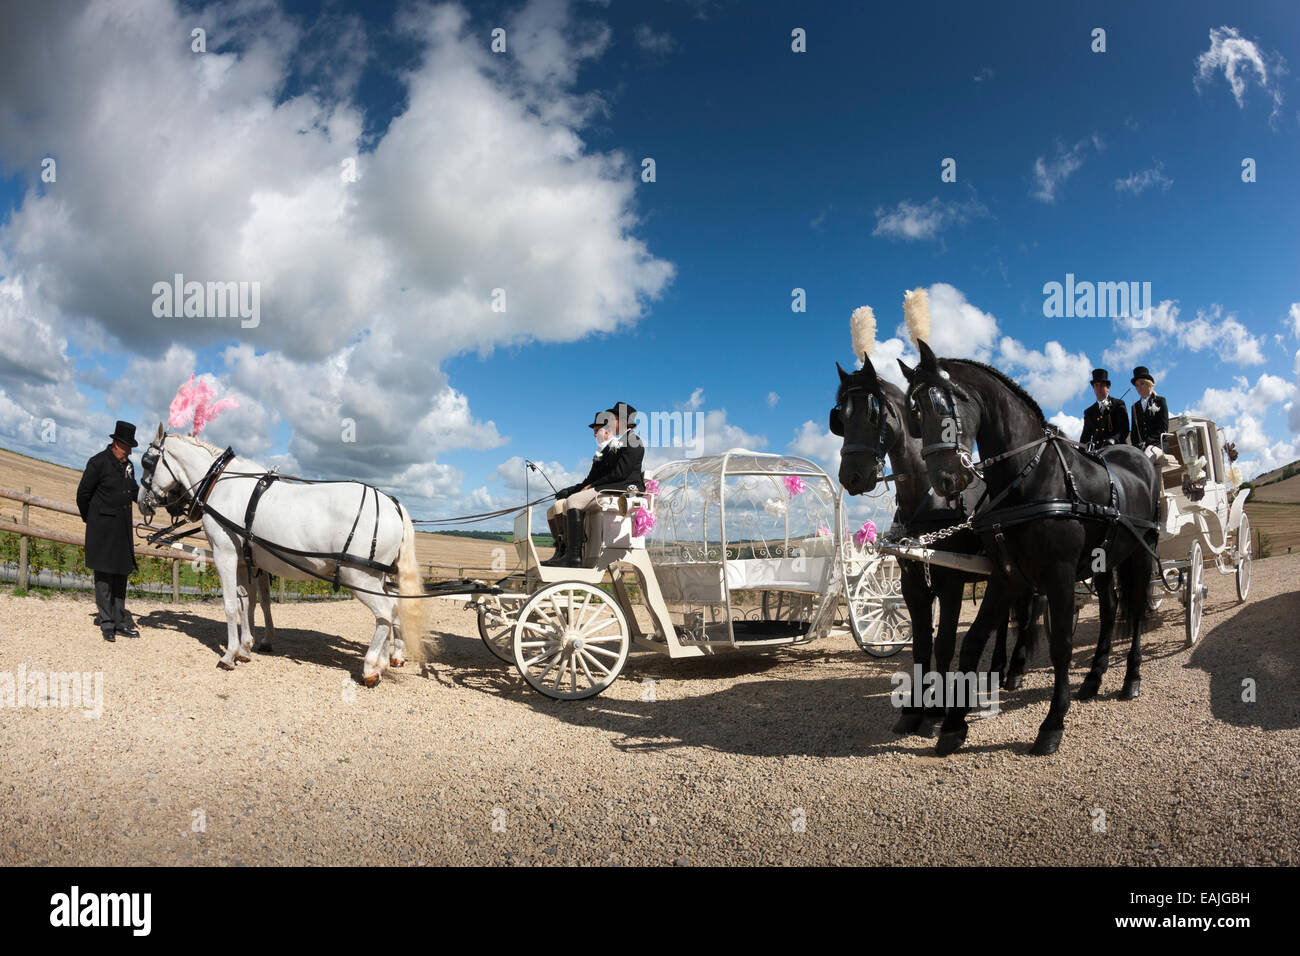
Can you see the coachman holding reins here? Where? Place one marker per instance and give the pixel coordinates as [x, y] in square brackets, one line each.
[104, 498]
[1105, 422]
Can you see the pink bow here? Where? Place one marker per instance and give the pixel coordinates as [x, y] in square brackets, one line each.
[642, 522]
[866, 533]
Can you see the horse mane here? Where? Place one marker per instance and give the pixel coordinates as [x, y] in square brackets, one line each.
[1015, 387]
[195, 440]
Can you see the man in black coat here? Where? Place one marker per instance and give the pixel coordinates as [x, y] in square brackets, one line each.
[615, 467]
[1105, 422]
[1150, 411]
[104, 498]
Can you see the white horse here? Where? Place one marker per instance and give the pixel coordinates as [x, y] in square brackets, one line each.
[314, 518]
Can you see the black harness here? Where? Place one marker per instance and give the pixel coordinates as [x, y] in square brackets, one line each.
[994, 521]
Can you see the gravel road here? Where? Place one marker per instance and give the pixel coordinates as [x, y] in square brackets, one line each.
[776, 759]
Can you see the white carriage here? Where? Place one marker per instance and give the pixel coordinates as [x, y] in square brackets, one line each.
[743, 556]
[1202, 517]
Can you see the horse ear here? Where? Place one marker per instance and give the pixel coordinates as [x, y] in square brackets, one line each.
[907, 372]
[869, 371]
[160, 433]
[844, 376]
[928, 361]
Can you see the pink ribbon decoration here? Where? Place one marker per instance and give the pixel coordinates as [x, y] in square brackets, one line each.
[866, 533]
[194, 399]
[823, 531]
[794, 484]
[642, 522]
[651, 487]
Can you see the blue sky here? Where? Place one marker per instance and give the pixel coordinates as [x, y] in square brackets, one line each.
[775, 170]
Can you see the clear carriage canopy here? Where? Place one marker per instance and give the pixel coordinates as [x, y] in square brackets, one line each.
[745, 546]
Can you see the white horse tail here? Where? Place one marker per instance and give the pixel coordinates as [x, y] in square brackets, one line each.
[411, 612]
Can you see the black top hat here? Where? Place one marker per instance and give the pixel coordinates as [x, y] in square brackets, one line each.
[603, 419]
[125, 433]
[1100, 377]
[625, 412]
[1142, 372]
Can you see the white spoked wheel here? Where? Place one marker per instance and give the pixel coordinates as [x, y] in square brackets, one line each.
[1155, 595]
[1243, 558]
[877, 614]
[1195, 596]
[571, 640]
[496, 628]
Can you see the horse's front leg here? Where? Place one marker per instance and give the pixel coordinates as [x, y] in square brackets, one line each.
[917, 598]
[950, 592]
[246, 613]
[262, 583]
[992, 610]
[227, 565]
[1060, 597]
[396, 646]
[1104, 583]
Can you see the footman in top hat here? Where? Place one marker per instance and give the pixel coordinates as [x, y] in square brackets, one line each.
[1150, 411]
[1106, 421]
[616, 466]
[104, 498]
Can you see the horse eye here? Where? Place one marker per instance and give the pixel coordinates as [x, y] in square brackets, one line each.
[848, 407]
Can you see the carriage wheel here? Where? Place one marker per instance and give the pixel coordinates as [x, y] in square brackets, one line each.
[1243, 558]
[1194, 596]
[496, 628]
[571, 640]
[877, 614]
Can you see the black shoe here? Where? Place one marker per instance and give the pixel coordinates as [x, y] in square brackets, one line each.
[129, 630]
[109, 636]
[558, 557]
[577, 534]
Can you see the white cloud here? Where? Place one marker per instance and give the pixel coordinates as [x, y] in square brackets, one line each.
[482, 182]
[924, 221]
[772, 399]
[1053, 376]
[652, 42]
[1221, 404]
[1294, 316]
[1050, 174]
[1159, 326]
[1243, 64]
[957, 328]
[811, 441]
[1069, 424]
[1137, 183]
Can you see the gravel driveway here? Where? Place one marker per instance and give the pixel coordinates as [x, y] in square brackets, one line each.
[781, 758]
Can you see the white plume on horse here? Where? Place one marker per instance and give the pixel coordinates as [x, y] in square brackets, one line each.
[862, 323]
[916, 313]
[308, 524]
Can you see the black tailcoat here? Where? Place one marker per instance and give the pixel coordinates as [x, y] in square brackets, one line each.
[104, 499]
[614, 469]
[1105, 428]
[1148, 426]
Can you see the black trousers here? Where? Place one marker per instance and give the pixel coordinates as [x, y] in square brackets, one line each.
[110, 600]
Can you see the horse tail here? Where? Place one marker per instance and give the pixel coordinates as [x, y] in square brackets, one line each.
[412, 614]
[1134, 580]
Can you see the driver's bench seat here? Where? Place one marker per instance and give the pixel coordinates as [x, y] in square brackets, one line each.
[609, 525]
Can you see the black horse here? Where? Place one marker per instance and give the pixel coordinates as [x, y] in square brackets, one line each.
[869, 414]
[1056, 514]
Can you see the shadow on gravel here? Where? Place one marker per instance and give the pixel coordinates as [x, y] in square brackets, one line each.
[1261, 642]
[295, 644]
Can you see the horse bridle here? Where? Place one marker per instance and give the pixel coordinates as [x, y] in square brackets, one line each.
[878, 409]
[944, 403]
[197, 492]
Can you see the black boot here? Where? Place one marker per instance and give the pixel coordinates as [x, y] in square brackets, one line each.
[559, 538]
[577, 533]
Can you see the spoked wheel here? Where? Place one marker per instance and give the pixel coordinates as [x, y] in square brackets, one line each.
[571, 640]
[1243, 558]
[1194, 596]
[496, 628]
[877, 615]
[1155, 596]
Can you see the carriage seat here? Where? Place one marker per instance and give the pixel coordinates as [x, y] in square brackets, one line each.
[609, 523]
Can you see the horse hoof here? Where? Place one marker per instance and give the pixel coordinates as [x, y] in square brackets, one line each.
[242, 658]
[1089, 688]
[1131, 690]
[1046, 744]
[370, 681]
[396, 662]
[950, 741]
[222, 665]
[1013, 681]
[908, 723]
